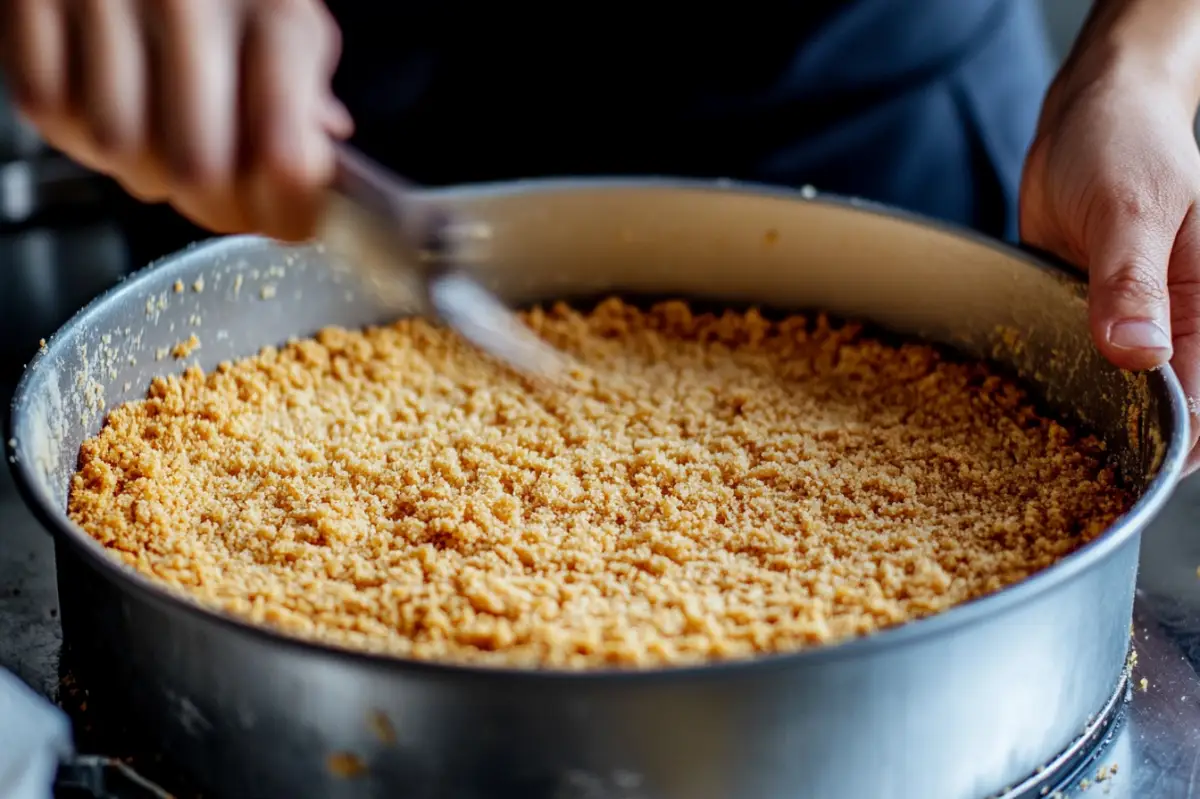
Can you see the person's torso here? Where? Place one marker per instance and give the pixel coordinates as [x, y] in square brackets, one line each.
[452, 92]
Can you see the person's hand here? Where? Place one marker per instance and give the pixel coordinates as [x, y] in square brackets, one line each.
[1112, 183]
[221, 107]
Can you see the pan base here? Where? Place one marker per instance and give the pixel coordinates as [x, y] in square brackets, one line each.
[1082, 763]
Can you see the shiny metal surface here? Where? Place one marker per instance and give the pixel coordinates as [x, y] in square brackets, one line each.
[962, 705]
[415, 256]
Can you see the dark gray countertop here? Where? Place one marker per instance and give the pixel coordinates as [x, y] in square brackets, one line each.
[29, 632]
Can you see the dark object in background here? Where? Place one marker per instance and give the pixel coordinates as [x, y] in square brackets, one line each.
[59, 248]
[66, 235]
[152, 231]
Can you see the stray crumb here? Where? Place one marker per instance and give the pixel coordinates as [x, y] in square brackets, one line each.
[161, 352]
[1144, 684]
[178, 287]
[185, 348]
[383, 729]
[237, 285]
[42, 344]
[267, 292]
[1084, 784]
[346, 765]
[198, 285]
[714, 486]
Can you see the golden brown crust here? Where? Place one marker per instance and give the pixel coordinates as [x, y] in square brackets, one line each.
[713, 487]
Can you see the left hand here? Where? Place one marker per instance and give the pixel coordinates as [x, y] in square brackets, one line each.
[1112, 183]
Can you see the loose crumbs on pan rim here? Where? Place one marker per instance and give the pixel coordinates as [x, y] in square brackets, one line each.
[711, 486]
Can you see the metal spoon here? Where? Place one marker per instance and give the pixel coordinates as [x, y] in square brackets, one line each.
[416, 253]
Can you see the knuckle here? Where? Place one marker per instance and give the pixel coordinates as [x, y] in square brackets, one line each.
[1155, 204]
[1137, 280]
[1126, 204]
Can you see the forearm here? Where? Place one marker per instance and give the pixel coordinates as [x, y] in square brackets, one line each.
[1154, 40]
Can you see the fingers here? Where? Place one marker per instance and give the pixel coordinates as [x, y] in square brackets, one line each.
[196, 48]
[113, 76]
[288, 114]
[1129, 250]
[116, 99]
[222, 107]
[1184, 277]
[36, 56]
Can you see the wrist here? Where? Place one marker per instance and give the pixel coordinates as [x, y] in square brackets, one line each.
[1142, 44]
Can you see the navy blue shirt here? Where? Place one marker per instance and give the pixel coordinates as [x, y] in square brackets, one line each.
[926, 104]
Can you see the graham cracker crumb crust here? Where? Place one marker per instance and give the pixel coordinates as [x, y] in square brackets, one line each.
[714, 486]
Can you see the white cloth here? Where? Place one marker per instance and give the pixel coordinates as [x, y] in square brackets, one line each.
[35, 736]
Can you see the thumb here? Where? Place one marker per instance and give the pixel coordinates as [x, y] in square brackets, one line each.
[1130, 309]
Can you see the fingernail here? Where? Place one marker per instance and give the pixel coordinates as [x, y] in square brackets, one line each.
[1138, 334]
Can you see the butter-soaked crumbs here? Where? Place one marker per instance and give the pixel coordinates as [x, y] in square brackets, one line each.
[710, 487]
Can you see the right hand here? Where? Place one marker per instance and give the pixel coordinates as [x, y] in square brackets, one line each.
[221, 107]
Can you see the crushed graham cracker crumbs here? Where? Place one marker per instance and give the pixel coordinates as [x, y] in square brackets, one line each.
[186, 347]
[346, 765]
[713, 487]
[381, 725]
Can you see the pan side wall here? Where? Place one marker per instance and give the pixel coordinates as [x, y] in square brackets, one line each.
[958, 711]
[959, 715]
